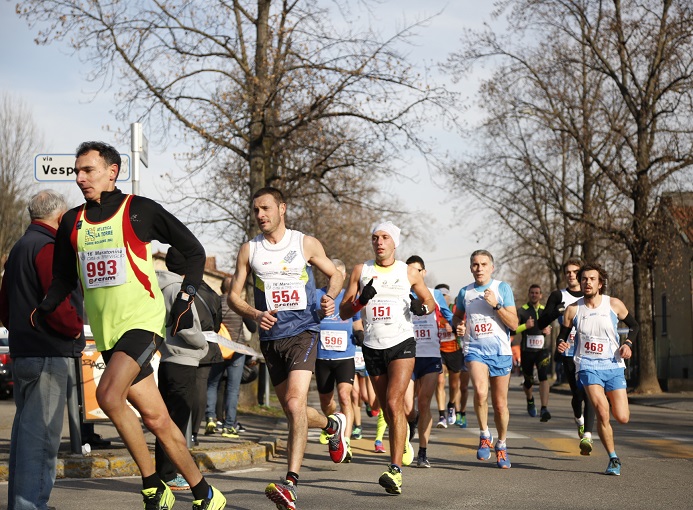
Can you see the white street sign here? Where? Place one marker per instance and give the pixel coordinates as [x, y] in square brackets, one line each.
[61, 168]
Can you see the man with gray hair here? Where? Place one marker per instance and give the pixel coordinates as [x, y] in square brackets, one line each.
[484, 317]
[41, 358]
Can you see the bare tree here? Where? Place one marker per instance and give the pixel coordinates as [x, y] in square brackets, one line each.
[267, 92]
[640, 53]
[20, 140]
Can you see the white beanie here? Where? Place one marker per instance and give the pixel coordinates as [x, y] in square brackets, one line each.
[391, 229]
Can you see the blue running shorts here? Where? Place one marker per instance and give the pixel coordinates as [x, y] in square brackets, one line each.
[498, 365]
[611, 379]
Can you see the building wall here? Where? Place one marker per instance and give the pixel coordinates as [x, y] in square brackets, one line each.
[674, 347]
[213, 278]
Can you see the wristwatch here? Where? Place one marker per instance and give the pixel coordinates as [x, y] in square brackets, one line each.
[188, 293]
[497, 307]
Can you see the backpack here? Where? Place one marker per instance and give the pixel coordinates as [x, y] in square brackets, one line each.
[210, 311]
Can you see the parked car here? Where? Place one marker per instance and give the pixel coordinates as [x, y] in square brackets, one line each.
[6, 384]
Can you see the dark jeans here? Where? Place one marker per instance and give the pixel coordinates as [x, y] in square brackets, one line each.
[177, 388]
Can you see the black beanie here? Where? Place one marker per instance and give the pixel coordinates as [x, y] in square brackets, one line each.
[175, 261]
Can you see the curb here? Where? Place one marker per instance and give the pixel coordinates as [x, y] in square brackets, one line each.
[107, 465]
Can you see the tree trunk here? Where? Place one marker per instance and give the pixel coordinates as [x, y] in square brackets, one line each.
[258, 102]
[648, 382]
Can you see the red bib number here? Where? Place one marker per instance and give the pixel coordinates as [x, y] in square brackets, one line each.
[332, 340]
[290, 295]
[103, 268]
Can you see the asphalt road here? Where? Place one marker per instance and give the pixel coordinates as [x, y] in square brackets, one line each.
[656, 448]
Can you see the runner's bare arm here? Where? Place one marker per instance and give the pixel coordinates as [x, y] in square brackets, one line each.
[346, 309]
[265, 319]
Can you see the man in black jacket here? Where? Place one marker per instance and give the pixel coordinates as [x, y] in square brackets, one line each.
[41, 359]
[105, 245]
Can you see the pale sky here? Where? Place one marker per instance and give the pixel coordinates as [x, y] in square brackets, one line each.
[49, 79]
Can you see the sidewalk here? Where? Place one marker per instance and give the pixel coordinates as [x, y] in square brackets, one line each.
[215, 453]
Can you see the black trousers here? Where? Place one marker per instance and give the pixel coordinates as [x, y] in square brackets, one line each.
[177, 388]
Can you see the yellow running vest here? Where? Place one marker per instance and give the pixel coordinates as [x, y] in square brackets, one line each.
[115, 269]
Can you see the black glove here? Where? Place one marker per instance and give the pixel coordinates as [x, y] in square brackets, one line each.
[417, 307]
[358, 337]
[561, 308]
[367, 293]
[181, 315]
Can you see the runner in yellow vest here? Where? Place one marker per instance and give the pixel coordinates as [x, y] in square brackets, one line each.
[104, 245]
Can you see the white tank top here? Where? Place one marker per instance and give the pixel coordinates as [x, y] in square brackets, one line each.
[284, 282]
[486, 333]
[596, 338]
[426, 334]
[387, 317]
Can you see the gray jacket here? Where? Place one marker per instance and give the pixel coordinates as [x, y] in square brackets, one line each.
[189, 346]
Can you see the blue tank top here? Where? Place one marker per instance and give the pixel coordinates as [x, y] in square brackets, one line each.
[336, 335]
[284, 281]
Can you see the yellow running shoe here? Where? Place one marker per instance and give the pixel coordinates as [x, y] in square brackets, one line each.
[324, 437]
[216, 502]
[158, 498]
[391, 480]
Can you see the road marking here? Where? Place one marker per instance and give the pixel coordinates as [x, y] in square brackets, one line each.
[476, 432]
[562, 447]
[566, 432]
[668, 448]
[664, 435]
[241, 471]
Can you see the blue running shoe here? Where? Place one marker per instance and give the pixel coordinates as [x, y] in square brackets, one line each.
[484, 451]
[502, 457]
[178, 484]
[356, 433]
[614, 467]
[461, 421]
[531, 408]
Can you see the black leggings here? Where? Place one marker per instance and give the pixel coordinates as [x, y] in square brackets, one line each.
[579, 395]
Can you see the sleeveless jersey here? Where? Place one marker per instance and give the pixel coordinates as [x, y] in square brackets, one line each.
[284, 281]
[596, 339]
[426, 334]
[568, 299]
[336, 335]
[387, 316]
[486, 333]
[115, 268]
